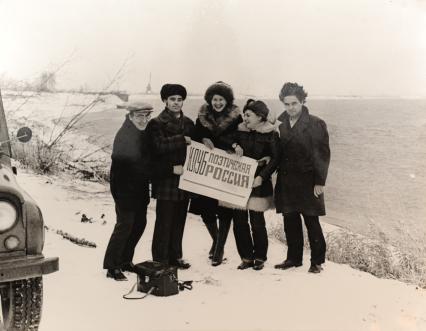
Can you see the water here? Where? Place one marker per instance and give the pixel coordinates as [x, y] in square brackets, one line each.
[377, 176]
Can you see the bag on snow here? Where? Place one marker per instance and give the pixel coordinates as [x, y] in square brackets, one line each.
[156, 278]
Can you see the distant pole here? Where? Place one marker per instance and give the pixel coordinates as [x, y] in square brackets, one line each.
[148, 87]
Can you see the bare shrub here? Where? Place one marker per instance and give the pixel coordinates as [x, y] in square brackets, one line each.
[46, 82]
[375, 257]
[39, 156]
[48, 155]
[359, 252]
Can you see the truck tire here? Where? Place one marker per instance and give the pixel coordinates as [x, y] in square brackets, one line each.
[22, 302]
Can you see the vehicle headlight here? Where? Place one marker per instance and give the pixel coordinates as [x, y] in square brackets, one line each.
[11, 242]
[8, 216]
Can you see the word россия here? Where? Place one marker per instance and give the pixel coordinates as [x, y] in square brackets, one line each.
[218, 167]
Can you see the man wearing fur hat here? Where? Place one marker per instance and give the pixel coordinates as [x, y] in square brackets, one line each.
[129, 182]
[169, 134]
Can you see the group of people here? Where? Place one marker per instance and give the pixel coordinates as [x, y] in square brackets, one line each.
[296, 146]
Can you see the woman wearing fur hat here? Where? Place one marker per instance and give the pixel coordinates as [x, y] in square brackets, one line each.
[257, 138]
[217, 118]
[302, 172]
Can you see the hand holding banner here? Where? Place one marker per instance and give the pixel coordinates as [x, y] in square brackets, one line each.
[217, 174]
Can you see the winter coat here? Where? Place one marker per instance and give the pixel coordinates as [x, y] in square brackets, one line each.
[304, 161]
[256, 144]
[130, 166]
[166, 135]
[216, 126]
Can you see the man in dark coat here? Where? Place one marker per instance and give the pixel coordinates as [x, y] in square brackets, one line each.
[129, 182]
[169, 134]
[302, 173]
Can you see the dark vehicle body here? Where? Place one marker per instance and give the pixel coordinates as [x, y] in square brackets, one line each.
[22, 263]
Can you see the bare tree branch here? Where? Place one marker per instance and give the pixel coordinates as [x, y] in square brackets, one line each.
[96, 150]
[78, 116]
[53, 72]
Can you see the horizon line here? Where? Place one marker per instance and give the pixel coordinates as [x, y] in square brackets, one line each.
[196, 94]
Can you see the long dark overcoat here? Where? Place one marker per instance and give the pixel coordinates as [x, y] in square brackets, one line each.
[130, 166]
[167, 134]
[304, 161]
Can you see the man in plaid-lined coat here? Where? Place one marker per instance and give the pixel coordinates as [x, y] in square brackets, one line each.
[169, 134]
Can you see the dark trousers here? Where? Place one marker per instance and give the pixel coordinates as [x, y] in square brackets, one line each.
[168, 231]
[131, 223]
[225, 218]
[209, 216]
[250, 244]
[294, 235]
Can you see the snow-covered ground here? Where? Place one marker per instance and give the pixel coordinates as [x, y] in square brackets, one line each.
[80, 297]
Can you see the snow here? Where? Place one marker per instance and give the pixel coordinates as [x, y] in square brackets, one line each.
[80, 297]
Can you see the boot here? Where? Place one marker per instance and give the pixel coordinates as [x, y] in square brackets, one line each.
[130, 267]
[116, 274]
[245, 264]
[287, 264]
[180, 264]
[224, 226]
[212, 228]
[258, 264]
[315, 268]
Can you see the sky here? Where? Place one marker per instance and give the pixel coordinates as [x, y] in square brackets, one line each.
[331, 47]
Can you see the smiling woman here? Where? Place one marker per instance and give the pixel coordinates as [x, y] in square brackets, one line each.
[217, 118]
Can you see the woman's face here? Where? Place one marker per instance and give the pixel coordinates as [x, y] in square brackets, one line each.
[218, 103]
[292, 105]
[251, 119]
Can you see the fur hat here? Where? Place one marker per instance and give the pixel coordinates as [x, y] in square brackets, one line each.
[258, 107]
[172, 89]
[136, 106]
[222, 89]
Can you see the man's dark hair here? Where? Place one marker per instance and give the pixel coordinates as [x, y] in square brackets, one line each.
[293, 89]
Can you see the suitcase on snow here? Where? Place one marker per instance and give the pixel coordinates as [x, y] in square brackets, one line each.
[156, 278]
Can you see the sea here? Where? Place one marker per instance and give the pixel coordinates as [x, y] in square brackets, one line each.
[376, 183]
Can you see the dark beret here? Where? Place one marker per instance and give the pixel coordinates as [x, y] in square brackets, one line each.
[258, 107]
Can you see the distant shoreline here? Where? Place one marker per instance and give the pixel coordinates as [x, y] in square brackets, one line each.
[312, 97]
[6, 92]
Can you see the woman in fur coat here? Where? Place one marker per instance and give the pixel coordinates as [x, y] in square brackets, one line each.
[257, 138]
[217, 119]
